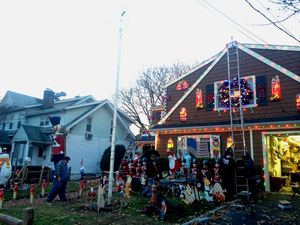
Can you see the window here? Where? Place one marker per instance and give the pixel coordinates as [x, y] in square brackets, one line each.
[11, 124]
[19, 124]
[89, 124]
[3, 125]
[44, 121]
[247, 93]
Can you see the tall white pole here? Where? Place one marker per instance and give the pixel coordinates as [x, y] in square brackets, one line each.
[113, 139]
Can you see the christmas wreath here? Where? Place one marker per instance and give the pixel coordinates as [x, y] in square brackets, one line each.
[246, 92]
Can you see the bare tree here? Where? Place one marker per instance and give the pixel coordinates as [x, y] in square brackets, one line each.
[138, 101]
[291, 7]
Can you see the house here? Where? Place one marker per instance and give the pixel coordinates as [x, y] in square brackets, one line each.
[199, 108]
[85, 129]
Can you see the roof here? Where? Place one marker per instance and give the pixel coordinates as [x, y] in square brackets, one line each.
[145, 139]
[16, 100]
[32, 134]
[247, 48]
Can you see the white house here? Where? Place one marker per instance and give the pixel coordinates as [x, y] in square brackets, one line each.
[86, 128]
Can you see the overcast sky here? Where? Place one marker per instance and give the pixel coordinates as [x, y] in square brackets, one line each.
[72, 46]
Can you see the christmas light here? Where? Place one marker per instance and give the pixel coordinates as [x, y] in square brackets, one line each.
[276, 89]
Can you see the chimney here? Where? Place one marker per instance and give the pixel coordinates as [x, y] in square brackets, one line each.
[48, 99]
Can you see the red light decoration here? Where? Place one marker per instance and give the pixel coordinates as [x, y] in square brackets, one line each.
[298, 102]
[199, 99]
[179, 86]
[276, 89]
[185, 85]
[183, 114]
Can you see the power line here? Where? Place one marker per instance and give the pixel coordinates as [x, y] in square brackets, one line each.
[290, 35]
[233, 21]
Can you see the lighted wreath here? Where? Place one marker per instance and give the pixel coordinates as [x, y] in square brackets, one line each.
[246, 92]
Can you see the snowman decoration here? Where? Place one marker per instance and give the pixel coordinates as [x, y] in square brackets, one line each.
[5, 168]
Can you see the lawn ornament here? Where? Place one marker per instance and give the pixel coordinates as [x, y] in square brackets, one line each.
[218, 194]
[44, 185]
[92, 193]
[32, 192]
[5, 168]
[207, 190]
[15, 190]
[1, 197]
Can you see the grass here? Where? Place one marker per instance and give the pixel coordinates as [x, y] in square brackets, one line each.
[78, 212]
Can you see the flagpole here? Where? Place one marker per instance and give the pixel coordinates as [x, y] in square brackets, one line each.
[113, 139]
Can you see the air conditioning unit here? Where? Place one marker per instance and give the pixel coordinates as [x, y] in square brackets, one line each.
[88, 136]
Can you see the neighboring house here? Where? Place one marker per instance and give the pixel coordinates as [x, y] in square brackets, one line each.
[197, 118]
[86, 129]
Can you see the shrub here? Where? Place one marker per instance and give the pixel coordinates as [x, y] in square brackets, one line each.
[119, 154]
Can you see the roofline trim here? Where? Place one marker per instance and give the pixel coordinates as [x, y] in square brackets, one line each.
[204, 63]
[193, 86]
[270, 63]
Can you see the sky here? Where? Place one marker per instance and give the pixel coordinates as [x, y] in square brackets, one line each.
[76, 47]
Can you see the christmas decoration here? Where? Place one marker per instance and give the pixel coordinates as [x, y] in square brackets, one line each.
[246, 93]
[32, 191]
[15, 190]
[170, 144]
[179, 86]
[1, 197]
[55, 121]
[199, 100]
[184, 84]
[183, 114]
[276, 89]
[298, 102]
[44, 185]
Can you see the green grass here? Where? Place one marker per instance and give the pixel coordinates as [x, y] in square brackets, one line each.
[78, 212]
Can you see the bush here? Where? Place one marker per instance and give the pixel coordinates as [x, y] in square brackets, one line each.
[119, 154]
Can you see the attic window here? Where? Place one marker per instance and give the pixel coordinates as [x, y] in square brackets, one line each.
[247, 93]
[89, 124]
[44, 121]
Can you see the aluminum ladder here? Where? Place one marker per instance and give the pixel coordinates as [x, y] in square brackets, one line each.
[237, 118]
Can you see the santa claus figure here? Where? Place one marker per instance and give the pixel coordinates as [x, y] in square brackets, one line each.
[174, 164]
[5, 168]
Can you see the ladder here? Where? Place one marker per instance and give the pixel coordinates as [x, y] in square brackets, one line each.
[128, 155]
[236, 117]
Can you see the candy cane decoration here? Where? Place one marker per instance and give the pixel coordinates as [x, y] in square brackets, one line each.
[32, 191]
[15, 190]
[81, 187]
[1, 197]
[44, 185]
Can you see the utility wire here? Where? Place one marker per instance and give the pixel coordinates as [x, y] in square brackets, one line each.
[277, 21]
[290, 35]
[233, 21]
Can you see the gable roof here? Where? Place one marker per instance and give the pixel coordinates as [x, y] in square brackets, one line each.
[14, 100]
[32, 134]
[97, 106]
[246, 49]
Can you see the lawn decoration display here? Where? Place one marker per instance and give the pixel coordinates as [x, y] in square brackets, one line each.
[276, 89]
[5, 168]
